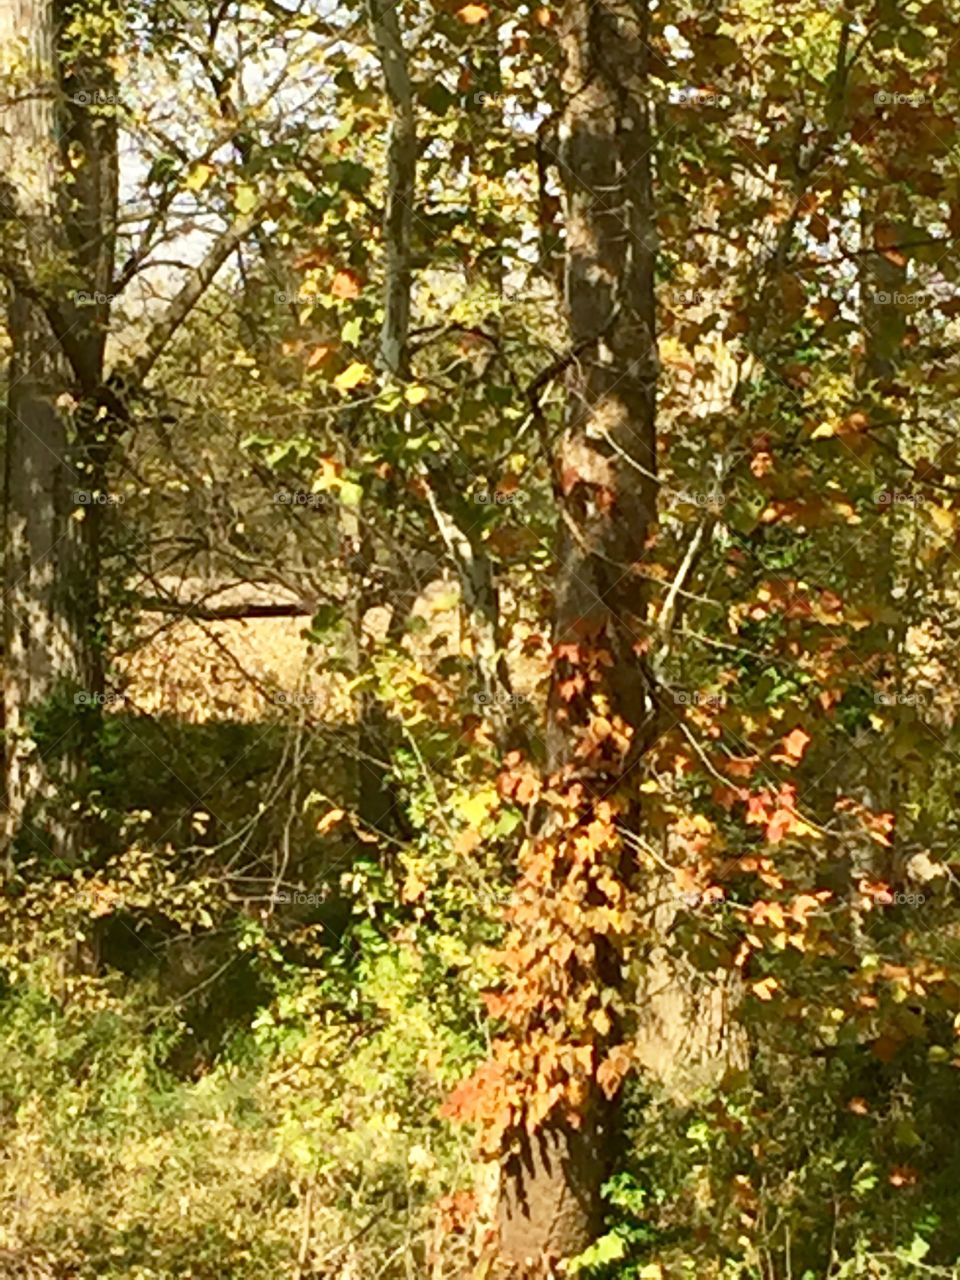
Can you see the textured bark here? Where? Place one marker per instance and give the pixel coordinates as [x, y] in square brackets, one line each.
[51, 557]
[401, 185]
[686, 1027]
[550, 1206]
[605, 480]
[376, 796]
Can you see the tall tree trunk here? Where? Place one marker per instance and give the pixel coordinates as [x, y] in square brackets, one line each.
[376, 796]
[601, 708]
[57, 227]
[882, 279]
[58, 204]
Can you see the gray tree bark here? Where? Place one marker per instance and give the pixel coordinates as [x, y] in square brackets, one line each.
[57, 226]
[64, 412]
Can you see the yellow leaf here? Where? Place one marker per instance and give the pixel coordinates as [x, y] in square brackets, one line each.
[352, 376]
[944, 519]
[471, 14]
[416, 395]
[245, 198]
[327, 476]
[765, 988]
[601, 1021]
[198, 177]
[476, 807]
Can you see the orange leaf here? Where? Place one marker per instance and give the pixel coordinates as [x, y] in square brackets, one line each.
[466, 841]
[330, 820]
[612, 1070]
[413, 887]
[767, 913]
[528, 789]
[346, 284]
[471, 14]
[318, 355]
[885, 1048]
[794, 745]
[739, 767]
[765, 988]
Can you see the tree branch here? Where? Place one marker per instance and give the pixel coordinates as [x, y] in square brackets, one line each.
[227, 612]
[183, 303]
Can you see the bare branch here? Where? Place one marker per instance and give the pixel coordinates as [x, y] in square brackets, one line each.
[190, 294]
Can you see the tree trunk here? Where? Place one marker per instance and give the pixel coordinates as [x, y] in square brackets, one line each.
[53, 230]
[376, 795]
[58, 205]
[606, 489]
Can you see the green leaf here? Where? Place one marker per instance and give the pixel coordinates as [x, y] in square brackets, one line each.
[326, 618]
[609, 1248]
